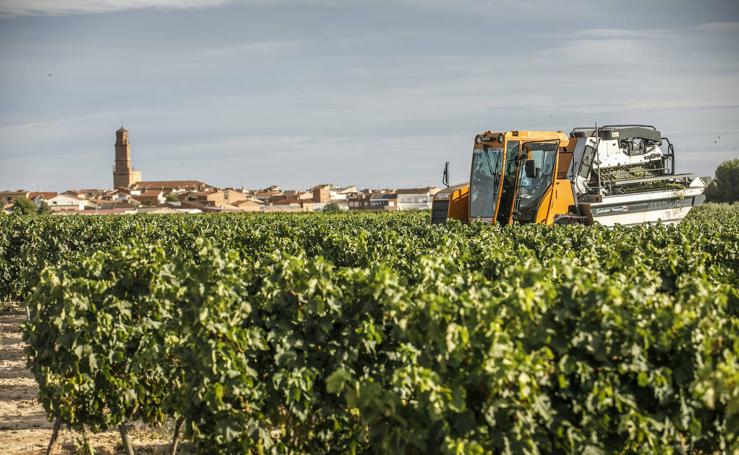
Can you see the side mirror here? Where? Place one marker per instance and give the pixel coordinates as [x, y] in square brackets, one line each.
[531, 170]
[445, 175]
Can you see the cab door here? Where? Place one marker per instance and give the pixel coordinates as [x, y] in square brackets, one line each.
[508, 183]
[535, 178]
[529, 173]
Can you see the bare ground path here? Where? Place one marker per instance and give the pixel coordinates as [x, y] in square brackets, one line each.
[24, 428]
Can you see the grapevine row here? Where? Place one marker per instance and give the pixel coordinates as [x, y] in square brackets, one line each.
[384, 334]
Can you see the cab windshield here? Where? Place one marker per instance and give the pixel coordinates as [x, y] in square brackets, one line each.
[484, 181]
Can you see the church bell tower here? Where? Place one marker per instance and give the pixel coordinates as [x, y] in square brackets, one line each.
[123, 174]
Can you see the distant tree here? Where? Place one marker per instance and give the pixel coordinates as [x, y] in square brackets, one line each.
[43, 208]
[171, 197]
[332, 207]
[725, 187]
[24, 206]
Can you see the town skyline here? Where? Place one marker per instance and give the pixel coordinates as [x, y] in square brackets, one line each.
[131, 193]
[253, 93]
[288, 185]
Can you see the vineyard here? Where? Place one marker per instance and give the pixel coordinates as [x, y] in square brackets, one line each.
[357, 333]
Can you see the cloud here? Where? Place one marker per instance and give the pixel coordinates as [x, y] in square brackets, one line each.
[617, 33]
[59, 8]
[720, 27]
[12, 8]
[255, 49]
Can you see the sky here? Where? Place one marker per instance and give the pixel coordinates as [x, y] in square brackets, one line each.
[370, 93]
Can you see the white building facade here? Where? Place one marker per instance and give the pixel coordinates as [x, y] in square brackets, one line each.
[416, 198]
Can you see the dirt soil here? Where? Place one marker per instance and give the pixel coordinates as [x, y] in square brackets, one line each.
[24, 428]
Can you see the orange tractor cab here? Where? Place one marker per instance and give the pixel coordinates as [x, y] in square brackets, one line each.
[613, 174]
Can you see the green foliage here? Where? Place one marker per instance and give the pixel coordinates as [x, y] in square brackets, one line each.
[43, 208]
[103, 317]
[725, 186]
[24, 206]
[382, 333]
[332, 207]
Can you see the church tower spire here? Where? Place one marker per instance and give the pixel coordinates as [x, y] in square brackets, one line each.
[123, 174]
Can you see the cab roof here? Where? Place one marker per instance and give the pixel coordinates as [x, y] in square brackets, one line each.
[490, 136]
